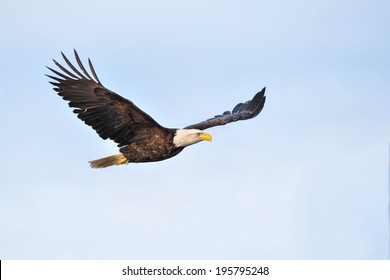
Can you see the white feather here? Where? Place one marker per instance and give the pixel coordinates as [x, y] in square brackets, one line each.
[186, 137]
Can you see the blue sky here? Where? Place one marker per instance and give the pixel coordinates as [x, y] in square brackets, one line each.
[306, 179]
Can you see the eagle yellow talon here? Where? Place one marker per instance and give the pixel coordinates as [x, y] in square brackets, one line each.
[121, 160]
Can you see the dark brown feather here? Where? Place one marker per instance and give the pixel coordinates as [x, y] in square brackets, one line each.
[151, 148]
[242, 111]
[108, 113]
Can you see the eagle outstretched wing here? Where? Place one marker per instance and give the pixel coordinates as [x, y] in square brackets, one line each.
[241, 111]
[108, 113]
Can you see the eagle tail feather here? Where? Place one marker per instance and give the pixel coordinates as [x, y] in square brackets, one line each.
[117, 159]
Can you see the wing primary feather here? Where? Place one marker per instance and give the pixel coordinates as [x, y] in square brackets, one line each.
[109, 114]
[56, 86]
[57, 73]
[236, 108]
[81, 65]
[65, 70]
[258, 97]
[71, 66]
[93, 71]
[258, 101]
[242, 111]
[244, 107]
[55, 78]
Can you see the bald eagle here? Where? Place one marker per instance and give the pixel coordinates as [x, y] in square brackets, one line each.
[139, 137]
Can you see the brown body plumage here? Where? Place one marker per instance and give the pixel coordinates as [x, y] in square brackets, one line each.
[139, 137]
[152, 148]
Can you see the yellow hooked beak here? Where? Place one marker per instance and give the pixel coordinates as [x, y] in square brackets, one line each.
[205, 136]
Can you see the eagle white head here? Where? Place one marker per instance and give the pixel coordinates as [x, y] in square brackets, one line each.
[187, 137]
